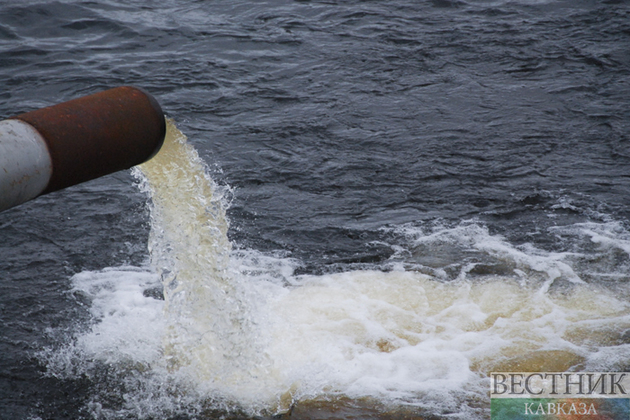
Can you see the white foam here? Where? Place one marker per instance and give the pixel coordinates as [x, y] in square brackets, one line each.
[130, 324]
[127, 326]
[239, 328]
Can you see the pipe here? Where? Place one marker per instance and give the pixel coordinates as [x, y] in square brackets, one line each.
[65, 144]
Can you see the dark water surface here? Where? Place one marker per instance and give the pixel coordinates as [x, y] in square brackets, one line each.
[354, 136]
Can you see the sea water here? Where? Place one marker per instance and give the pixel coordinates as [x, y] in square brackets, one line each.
[378, 203]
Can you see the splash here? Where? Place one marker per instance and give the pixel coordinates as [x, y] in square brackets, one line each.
[238, 330]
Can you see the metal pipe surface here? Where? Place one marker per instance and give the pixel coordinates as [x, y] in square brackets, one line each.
[62, 145]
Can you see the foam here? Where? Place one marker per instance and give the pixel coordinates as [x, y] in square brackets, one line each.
[238, 329]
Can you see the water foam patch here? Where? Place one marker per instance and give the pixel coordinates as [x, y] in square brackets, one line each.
[129, 323]
[403, 335]
[126, 328]
[238, 330]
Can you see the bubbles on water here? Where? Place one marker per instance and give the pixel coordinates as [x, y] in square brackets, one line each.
[238, 330]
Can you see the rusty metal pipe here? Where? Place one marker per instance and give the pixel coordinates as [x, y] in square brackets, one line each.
[62, 145]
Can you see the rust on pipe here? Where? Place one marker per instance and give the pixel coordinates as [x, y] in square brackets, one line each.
[98, 134]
